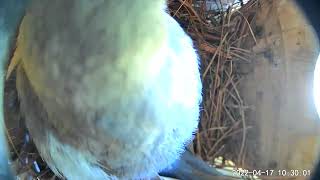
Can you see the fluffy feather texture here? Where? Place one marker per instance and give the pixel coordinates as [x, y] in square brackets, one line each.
[110, 89]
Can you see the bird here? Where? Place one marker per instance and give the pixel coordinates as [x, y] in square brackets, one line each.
[49, 90]
[109, 89]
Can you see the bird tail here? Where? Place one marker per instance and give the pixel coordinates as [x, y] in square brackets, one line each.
[189, 167]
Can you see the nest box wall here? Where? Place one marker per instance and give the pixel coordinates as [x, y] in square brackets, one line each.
[279, 87]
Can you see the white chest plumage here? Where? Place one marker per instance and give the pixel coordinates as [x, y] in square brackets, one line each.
[115, 107]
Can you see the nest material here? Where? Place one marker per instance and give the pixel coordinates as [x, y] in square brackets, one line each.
[219, 37]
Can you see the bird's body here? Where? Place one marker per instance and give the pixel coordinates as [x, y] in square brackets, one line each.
[109, 89]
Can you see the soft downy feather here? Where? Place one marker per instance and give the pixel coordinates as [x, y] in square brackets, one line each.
[102, 102]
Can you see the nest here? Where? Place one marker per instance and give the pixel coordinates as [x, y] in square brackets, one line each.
[218, 34]
[223, 37]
